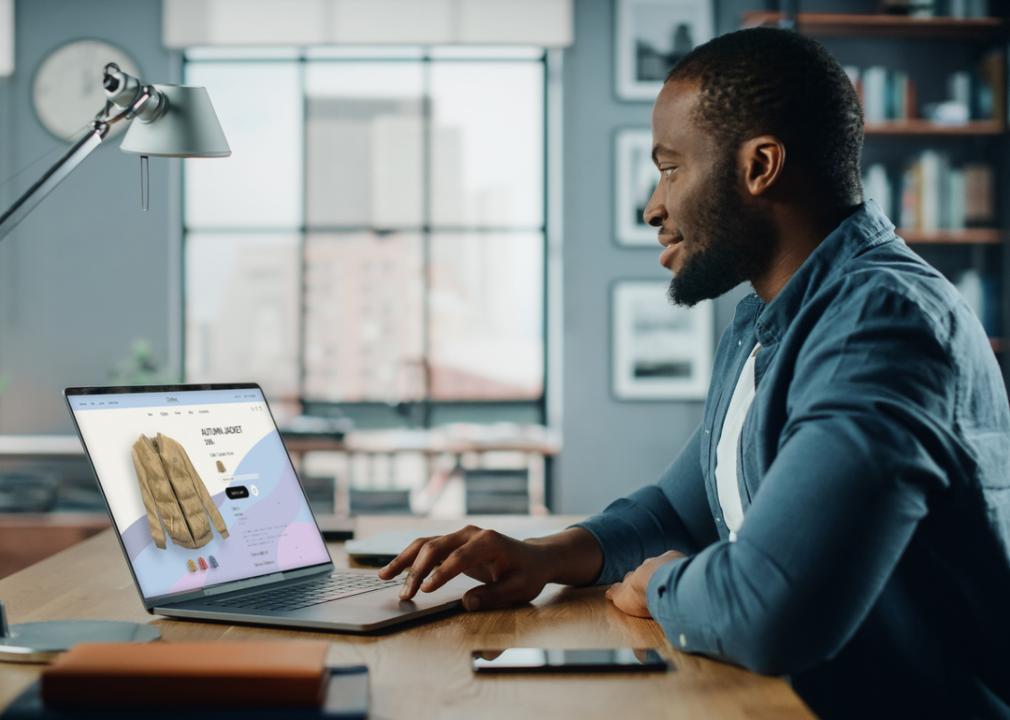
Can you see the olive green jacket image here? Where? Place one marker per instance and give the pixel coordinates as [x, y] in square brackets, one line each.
[174, 495]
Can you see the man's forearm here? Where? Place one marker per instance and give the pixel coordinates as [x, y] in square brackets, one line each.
[574, 555]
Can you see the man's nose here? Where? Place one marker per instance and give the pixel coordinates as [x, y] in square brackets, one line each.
[655, 212]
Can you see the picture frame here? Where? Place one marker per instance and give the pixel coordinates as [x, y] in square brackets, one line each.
[652, 35]
[659, 351]
[635, 179]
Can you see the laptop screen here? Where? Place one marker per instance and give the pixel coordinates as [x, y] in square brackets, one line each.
[199, 485]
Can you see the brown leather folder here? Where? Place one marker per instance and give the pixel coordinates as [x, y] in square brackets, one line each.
[225, 674]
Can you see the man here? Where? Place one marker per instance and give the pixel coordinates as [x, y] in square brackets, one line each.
[842, 514]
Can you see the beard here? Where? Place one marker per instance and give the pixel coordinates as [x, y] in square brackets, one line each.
[734, 241]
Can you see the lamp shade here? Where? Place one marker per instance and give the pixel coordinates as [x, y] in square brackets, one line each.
[187, 128]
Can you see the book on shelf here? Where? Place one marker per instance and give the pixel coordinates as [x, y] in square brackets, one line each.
[979, 195]
[885, 94]
[877, 186]
[989, 87]
[967, 8]
[981, 291]
[890, 95]
[934, 194]
[963, 9]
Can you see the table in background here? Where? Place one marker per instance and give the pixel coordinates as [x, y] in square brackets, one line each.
[424, 671]
[464, 443]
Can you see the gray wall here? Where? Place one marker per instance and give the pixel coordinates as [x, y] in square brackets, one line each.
[611, 447]
[87, 273]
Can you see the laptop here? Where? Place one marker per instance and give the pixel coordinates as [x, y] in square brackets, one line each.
[213, 520]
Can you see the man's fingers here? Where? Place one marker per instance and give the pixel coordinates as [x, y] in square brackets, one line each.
[513, 590]
[431, 554]
[403, 560]
[458, 561]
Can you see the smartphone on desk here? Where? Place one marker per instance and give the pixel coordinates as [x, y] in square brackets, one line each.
[543, 660]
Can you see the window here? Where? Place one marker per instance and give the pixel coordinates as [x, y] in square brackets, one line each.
[378, 236]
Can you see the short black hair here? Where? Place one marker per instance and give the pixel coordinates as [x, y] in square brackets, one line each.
[768, 80]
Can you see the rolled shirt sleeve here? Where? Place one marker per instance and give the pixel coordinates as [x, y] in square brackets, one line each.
[671, 514]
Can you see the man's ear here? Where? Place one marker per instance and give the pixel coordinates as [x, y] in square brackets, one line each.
[762, 159]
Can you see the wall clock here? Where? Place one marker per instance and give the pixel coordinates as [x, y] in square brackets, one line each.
[67, 90]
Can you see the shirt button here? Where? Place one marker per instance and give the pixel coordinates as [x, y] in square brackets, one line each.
[683, 640]
[739, 343]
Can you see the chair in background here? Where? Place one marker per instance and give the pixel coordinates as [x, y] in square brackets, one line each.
[379, 502]
[497, 491]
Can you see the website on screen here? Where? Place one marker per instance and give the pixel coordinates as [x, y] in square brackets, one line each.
[200, 486]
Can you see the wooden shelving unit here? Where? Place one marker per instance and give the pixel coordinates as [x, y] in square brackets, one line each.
[843, 24]
[971, 236]
[992, 31]
[924, 128]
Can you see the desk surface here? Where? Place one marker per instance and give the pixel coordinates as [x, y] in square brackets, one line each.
[423, 672]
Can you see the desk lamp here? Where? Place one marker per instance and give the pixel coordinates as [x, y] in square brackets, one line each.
[168, 121]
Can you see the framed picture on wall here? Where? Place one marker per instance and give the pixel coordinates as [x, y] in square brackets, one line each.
[652, 35]
[636, 179]
[660, 351]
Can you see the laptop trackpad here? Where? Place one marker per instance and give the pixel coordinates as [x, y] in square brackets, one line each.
[383, 604]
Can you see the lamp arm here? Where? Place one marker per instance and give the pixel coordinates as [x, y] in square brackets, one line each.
[53, 177]
[76, 154]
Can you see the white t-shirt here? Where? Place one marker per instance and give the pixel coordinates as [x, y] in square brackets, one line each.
[727, 451]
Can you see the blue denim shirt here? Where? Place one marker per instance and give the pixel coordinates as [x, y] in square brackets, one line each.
[874, 473]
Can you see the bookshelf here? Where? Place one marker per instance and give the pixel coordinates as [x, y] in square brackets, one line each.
[970, 236]
[904, 142]
[925, 128]
[887, 26]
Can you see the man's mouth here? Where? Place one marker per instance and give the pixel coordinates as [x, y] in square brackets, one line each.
[671, 246]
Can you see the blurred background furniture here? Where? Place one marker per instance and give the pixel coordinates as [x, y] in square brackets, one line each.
[49, 499]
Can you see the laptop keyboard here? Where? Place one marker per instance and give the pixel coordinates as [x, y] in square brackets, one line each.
[303, 595]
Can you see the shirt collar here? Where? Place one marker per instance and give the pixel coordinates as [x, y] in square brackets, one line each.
[866, 227]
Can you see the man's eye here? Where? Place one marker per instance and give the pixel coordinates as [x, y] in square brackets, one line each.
[667, 172]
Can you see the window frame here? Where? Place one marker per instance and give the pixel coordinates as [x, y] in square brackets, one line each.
[426, 412]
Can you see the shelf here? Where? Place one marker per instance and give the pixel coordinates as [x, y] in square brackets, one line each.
[969, 236]
[926, 127]
[841, 25]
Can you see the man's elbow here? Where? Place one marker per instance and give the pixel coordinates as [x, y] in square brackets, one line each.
[764, 659]
[772, 647]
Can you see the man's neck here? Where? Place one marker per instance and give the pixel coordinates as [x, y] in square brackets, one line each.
[798, 235]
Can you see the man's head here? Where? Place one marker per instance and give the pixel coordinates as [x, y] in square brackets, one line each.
[747, 121]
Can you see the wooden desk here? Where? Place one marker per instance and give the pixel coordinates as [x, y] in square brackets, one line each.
[423, 672]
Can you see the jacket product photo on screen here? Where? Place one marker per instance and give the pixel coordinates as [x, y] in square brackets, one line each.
[175, 497]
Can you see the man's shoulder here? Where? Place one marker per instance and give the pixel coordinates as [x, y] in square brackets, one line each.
[891, 284]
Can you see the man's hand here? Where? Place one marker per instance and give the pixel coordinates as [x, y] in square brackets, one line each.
[514, 572]
[629, 595]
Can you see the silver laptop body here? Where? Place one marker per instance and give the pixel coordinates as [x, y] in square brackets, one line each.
[274, 568]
